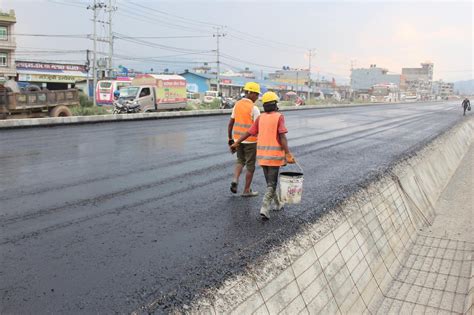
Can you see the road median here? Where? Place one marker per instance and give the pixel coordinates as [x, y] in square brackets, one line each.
[58, 121]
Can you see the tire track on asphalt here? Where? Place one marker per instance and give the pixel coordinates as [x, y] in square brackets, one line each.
[11, 195]
[132, 206]
[202, 171]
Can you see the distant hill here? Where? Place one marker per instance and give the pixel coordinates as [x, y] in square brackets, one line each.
[464, 87]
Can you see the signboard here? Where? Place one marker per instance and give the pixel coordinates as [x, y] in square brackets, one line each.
[49, 66]
[56, 78]
[173, 91]
[192, 87]
[174, 83]
[167, 90]
[226, 81]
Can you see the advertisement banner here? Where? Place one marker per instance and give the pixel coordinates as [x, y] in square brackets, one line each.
[49, 66]
[172, 94]
[53, 78]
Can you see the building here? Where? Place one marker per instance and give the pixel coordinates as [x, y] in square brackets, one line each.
[291, 76]
[418, 80]
[204, 69]
[363, 79]
[247, 73]
[7, 45]
[442, 89]
[197, 82]
[52, 76]
[414, 76]
[232, 86]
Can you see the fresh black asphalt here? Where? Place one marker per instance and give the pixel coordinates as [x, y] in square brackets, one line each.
[111, 217]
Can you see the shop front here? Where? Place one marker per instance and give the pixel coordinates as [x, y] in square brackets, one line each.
[51, 76]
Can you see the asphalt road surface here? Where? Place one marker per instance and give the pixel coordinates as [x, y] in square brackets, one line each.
[111, 217]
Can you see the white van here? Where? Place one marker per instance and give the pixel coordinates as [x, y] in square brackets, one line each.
[210, 96]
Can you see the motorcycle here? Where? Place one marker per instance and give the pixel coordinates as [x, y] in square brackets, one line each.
[227, 103]
[126, 107]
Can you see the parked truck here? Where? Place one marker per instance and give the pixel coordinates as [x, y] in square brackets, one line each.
[32, 104]
[156, 92]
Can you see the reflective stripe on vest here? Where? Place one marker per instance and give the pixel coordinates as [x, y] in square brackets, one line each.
[243, 125]
[269, 150]
[243, 119]
[267, 157]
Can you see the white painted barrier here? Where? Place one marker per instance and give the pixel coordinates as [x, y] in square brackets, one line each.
[57, 121]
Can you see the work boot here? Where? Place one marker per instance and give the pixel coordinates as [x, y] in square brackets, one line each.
[267, 201]
[278, 203]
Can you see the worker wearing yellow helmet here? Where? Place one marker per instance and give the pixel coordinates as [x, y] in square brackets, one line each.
[243, 116]
[272, 149]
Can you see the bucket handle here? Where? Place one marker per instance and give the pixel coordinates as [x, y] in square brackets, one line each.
[299, 166]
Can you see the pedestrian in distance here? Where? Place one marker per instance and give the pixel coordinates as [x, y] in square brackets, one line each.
[244, 113]
[272, 149]
[466, 105]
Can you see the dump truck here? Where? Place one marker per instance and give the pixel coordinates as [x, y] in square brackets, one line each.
[33, 104]
[156, 92]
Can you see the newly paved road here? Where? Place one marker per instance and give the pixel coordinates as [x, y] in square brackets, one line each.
[110, 217]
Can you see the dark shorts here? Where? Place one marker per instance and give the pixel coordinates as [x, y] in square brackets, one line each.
[247, 155]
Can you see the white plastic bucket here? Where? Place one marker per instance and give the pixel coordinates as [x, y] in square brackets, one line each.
[291, 187]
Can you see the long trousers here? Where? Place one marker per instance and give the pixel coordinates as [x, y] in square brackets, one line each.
[271, 177]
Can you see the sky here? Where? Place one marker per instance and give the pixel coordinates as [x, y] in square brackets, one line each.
[262, 35]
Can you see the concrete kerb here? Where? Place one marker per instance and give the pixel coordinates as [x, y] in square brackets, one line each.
[346, 261]
[58, 121]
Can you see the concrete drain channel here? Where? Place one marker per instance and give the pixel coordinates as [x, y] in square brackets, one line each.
[368, 255]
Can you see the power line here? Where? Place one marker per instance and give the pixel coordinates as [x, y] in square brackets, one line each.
[248, 62]
[168, 37]
[86, 36]
[67, 4]
[262, 44]
[263, 39]
[187, 20]
[155, 45]
[135, 12]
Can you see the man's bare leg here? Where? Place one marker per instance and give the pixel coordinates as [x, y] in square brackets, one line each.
[248, 181]
[235, 181]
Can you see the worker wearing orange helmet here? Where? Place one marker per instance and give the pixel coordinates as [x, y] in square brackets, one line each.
[243, 116]
[272, 149]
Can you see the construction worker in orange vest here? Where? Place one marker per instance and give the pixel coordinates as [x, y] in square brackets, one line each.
[244, 114]
[272, 149]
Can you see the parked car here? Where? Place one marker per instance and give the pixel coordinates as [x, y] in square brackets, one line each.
[210, 96]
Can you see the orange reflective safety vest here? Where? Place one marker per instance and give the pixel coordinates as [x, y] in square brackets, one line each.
[269, 150]
[243, 119]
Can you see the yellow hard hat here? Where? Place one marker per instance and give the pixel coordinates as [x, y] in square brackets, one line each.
[269, 97]
[252, 87]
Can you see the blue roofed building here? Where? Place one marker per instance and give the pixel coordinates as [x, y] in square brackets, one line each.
[197, 82]
[231, 86]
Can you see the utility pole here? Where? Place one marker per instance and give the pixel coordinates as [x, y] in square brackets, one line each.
[350, 83]
[297, 83]
[218, 35]
[310, 55]
[110, 67]
[94, 8]
[88, 63]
